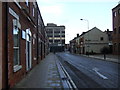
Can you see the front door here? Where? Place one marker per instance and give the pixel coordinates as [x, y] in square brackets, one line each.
[28, 50]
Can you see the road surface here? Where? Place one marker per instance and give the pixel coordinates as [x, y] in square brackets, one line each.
[90, 73]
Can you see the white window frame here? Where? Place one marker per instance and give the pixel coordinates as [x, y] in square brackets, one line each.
[17, 66]
[27, 2]
[33, 12]
[16, 1]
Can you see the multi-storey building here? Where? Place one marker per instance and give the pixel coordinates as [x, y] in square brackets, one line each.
[116, 29]
[22, 40]
[56, 35]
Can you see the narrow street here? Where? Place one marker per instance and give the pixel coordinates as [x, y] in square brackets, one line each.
[59, 44]
[90, 73]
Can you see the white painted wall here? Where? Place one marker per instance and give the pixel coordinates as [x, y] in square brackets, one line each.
[95, 44]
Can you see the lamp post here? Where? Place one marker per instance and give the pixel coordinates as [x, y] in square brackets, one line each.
[86, 21]
[88, 33]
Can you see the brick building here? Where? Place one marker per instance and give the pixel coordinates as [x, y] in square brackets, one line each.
[73, 45]
[3, 47]
[116, 29]
[24, 41]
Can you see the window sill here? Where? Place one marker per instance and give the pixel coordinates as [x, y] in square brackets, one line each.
[17, 67]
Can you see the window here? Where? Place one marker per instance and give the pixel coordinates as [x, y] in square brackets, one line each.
[119, 47]
[63, 35]
[51, 41]
[50, 36]
[56, 31]
[16, 46]
[101, 38]
[118, 11]
[57, 41]
[38, 19]
[119, 30]
[63, 31]
[114, 30]
[56, 35]
[114, 14]
[27, 2]
[50, 31]
[33, 12]
[63, 41]
[115, 47]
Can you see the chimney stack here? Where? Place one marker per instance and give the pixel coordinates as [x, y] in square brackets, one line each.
[77, 35]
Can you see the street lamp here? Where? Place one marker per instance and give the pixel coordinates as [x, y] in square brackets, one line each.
[88, 33]
[86, 21]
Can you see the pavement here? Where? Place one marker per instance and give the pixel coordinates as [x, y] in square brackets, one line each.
[109, 57]
[44, 75]
[49, 74]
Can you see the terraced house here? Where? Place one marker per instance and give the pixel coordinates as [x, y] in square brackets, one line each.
[91, 41]
[23, 42]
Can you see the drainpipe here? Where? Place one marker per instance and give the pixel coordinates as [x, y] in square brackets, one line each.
[37, 40]
[7, 10]
[5, 62]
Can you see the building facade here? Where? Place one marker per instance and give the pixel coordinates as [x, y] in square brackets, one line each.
[3, 47]
[110, 37]
[91, 41]
[56, 35]
[116, 29]
[23, 42]
[73, 46]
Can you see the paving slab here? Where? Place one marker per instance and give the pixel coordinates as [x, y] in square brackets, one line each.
[44, 75]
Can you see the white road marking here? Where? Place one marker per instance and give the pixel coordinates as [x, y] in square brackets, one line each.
[102, 76]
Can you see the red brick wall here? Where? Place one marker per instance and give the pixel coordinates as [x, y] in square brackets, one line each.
[15, 77]
[116, 24]
[3, 57]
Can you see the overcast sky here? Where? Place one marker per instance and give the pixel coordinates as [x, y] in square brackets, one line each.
[69, 13]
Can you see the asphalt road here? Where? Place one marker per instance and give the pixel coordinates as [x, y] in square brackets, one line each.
[90, 73]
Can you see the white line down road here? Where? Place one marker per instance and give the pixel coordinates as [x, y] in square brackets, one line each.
[96, 70]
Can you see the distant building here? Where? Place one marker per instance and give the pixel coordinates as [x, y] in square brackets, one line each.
[110, 43]
[73, 45]
[116, 29]
[67, 47]
[56, 35]
[91, 41]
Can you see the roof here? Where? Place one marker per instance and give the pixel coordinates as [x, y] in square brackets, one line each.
[89, 31]
[86, 32]
[54, 25]
[116, 6]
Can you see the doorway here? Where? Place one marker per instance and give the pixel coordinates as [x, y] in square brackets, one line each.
[28, 50]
